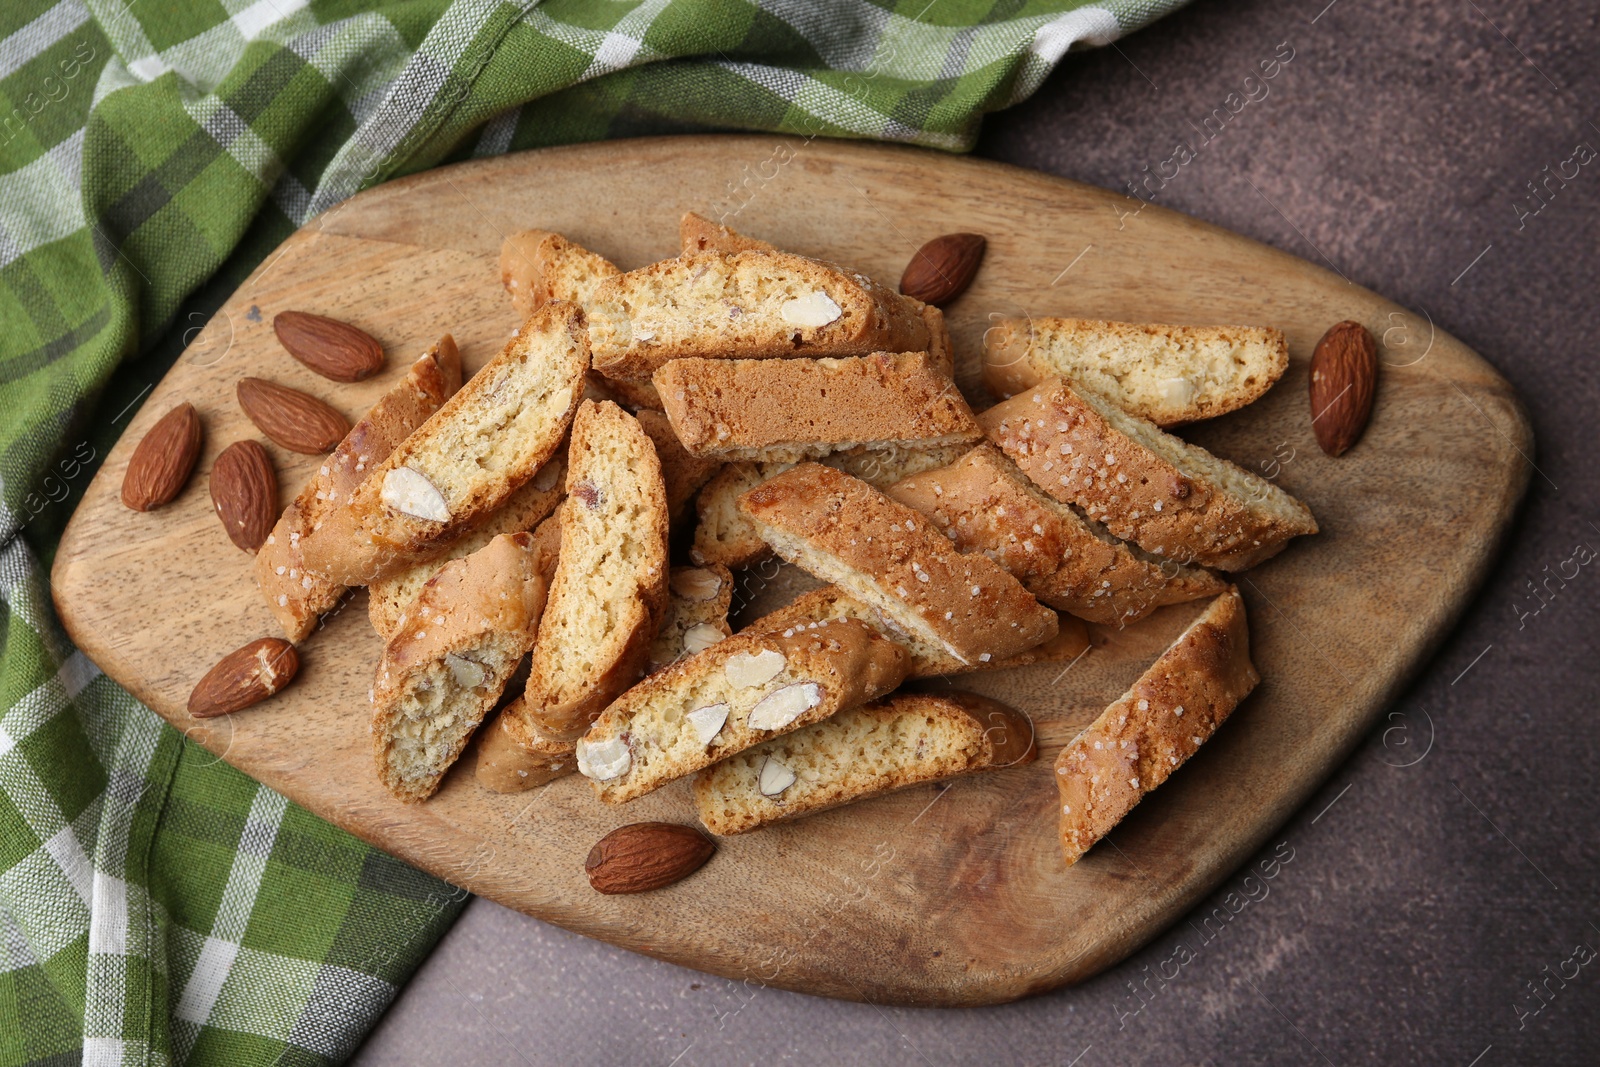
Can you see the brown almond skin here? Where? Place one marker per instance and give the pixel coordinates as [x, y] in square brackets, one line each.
[645, 856]
[163, 460]
[333, 349]
[291, 419]
[1344, 376]
[943, 268]
[244, 677]
[244, 491]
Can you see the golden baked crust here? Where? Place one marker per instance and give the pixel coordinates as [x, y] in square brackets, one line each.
[697, 234]
[682, 472]
[861, 753]
[725, 535]
[983, 503]
[513, 757]
[928, 660]
[652, 734]
[881, 552]
[610, 588]
[1167, 374]
[449, 661]
[298, 594]
[770, 409]
[751, 305]
[389, 597]
[940, 352]
[1173, 499]
[475, 451]
[1155, 726]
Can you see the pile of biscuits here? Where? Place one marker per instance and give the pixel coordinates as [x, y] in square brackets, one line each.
[578, 508]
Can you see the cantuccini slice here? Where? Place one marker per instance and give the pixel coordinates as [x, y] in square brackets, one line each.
[725, 535]
[768, 409]
[885, 554]
[751, 305]
[389, 597]
[697, 614]
[737, 693]
[682, 472]
[515, 755]
[928, 660]
[295, 592]
[862, 753]
[475, 451]
[1172, 710]
[610, 587]
[1172, 499]
[537, 267]
[1167, 374]
[983, 503]
[697, 234]
[448, 663]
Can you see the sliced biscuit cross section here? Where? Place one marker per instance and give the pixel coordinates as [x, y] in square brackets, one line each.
[737, 693]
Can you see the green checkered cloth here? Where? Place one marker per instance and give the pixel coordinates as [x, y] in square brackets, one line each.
[156, 905]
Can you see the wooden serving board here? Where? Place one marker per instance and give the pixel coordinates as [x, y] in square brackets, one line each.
[933, 896]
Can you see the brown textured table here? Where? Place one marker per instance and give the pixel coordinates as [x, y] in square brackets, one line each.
[1453, 860]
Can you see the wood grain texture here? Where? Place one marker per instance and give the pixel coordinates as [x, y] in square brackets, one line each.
[933, 896]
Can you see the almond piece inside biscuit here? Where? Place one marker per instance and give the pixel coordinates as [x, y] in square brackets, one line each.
[746, 669]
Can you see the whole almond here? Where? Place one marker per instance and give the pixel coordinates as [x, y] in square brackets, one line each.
[943, 268]
[245, 676]
[295, 420]
[332, 348]
[1344, 376]
[646, 856]
[163, 460]
[244, 490]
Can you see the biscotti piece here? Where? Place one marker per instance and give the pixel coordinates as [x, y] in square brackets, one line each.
[537, 266]
[983, 503]
[725, 535]
[861, 753]
[752, 305]
[682, 472]
[697, 614]
[696, 234]
[737, 693]
[1171, 498]
[928, 660]
[883, 553]
[770, 409]
[479, 448]
[610, 590]
[298, 594]
[513, 757]
[449, 661]
[1172, 709]
[389, 597]
[1167, 374]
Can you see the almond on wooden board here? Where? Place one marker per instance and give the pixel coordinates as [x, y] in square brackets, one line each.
[943, 268]
[1344, 377]
[163, 460]
[244, 677]
[291, 419]
[646, 856]
[244, 491]
[333, 349]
